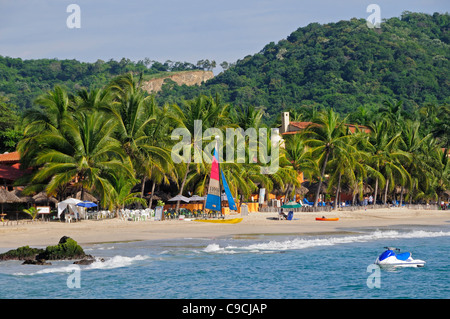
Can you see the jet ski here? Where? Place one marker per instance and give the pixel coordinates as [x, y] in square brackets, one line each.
[393, 258]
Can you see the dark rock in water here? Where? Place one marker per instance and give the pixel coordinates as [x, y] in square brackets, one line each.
[66, 249]
[39, 262]
[21, 253]
[63, 239]
[87, 260]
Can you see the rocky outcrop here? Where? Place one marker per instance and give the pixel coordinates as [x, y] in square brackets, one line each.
[186, 77]
[21, 253]
[66, 249]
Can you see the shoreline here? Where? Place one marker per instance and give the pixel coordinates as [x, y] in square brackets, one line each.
[88, 232]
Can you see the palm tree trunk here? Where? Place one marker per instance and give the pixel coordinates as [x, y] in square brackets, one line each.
[321, 178]
[151, 196]
[376, 193]
[411, 193]
[338, 190]
[142, 188]
[287, 191]
[182, 185]
[401, 197]
[385, 191]
[143, 185]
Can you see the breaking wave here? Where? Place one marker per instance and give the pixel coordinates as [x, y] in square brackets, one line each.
[303, 243]
[106, 263]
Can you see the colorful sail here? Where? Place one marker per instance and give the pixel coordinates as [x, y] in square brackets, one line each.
[231, 202]
[213, 198]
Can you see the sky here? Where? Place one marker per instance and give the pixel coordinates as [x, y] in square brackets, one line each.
[177, 30]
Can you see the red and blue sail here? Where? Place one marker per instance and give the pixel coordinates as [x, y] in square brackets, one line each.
[213, 200]
[213, 197]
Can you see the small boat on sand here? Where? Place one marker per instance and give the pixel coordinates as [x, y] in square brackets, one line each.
[220, 221]
[327, 219]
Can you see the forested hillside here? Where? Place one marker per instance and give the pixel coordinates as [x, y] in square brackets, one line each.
[21, 81]
[343, 65]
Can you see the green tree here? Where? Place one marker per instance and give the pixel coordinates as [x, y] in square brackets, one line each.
[385, 156]
[201, 113]
[83, 152]
[134, 113]
[326, 136]
[10, 131]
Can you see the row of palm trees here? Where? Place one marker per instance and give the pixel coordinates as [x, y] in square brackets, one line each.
[391, 153]
[112, 141]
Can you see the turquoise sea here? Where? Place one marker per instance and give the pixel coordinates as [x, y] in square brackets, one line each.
[297, 266]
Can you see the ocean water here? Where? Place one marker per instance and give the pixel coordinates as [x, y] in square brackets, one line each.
[245, 267]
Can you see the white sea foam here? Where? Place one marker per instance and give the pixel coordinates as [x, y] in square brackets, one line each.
[116, 262]
[305, 242]
[107, 263]
[213, 248]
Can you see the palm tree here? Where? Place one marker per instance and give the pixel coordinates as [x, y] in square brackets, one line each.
[326, 136]
[386, 155]
[83, 152]
[160, 169]
[52, 109]
[122, 193]
[247, 117]
[94, 100]
[135, 113]
[346, 162]
[300, 157]
[208, 112]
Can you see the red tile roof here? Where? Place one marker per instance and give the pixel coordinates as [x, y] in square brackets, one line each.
[12, 157]
[10, 172]
[304, 125]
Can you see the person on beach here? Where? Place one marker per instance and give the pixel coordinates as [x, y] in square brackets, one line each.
[370, 200]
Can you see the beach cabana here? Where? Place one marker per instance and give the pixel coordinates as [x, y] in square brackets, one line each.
[7, 197]
[42, 197]
[86, 196]
[70, 204]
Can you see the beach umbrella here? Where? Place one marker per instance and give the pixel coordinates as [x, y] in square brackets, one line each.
[87, 204]
[196, 198]
[179, 198]
[292, 205]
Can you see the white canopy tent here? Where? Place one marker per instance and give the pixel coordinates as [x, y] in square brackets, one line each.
[71, 204]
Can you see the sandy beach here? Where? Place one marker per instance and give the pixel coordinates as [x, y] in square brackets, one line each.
[85, 232]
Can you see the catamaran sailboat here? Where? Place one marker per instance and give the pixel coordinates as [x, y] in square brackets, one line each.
[214, 198]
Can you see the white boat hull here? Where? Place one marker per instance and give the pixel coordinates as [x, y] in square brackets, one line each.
[394, 262]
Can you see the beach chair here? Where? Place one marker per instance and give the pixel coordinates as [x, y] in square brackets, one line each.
[281, 215]
[306, 202]
[290, 215]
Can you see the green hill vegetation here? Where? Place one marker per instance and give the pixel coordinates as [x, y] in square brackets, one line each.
[343, 65]
[100, 132]
[21, 81]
